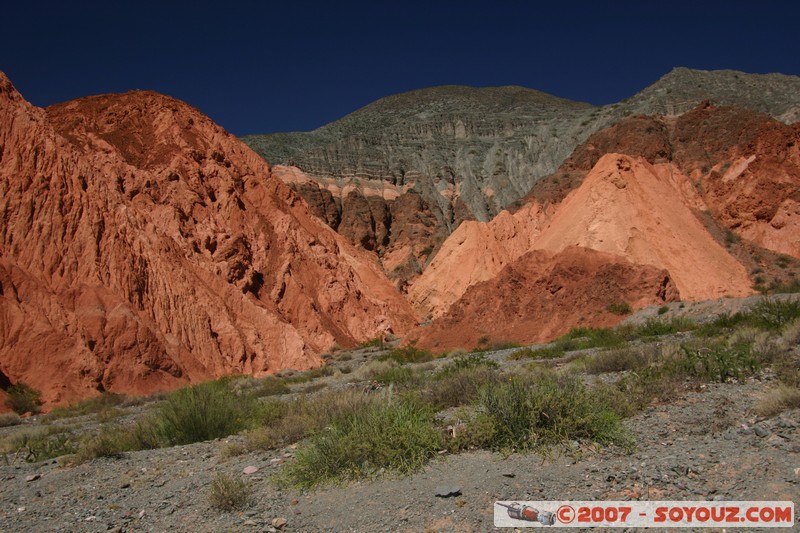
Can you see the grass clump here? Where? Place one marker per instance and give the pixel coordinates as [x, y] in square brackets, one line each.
[393, 435]
[229, 493]
[575, 339]
[619, 360]
[9, 419]
[777, 400]
[40, 444]
[534, 413]
[202, 412]
[96, 405]
[269, 386]
[459, 384]
[291, 422]
[23, 398]
[655, 327]
[398, 375]
[407, 354]
[621, 308]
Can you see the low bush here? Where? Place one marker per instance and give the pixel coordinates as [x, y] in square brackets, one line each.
[269, 386]
[229, 493]
[619, 360]
[777, 400]
[293, 421]
[654, 327]
[454, 386]
[202, 412]
[619, 308]
[534, 413]
[95, 405]
[40, 444]
[395, 436]
[9, 419]
[399, 375]
[407, 354]
[23, 398]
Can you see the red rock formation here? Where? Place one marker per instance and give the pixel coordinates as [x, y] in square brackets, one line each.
[542, 295]
[641, 212]
[392, 221]
[142, 247]
[475, 252]
[747, 167]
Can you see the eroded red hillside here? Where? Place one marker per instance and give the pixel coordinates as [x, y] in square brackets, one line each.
[142, 247]
[542, 295]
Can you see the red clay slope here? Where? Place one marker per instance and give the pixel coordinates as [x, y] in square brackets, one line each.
[542, 295]
[641, 212]
[142, 247]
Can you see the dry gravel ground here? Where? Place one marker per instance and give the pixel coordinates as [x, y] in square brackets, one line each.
[704, 445]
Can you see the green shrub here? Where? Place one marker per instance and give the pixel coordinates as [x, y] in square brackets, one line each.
[229, 493]
[717, 361]
[399, 375]
[619, 308]
[655, 327]
[392, 435]
[533, 413]
[407, 354]
[293, 421]
[773, 314]
[546, 352]
[454, 386]
[269, 386]
[663, 309]
[199, 413]
[467, 361]
[23, 399]
[309, 375]
[40, 444]
[95, 405]
[619, 360]
[9, 419]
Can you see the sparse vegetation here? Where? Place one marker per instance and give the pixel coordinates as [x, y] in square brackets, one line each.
[619, 308]
[23, 398]
[9, 419]
[777, 400]
[96, 406]
[408, 354]
[391, 435]
[229, 493]
[533, 413]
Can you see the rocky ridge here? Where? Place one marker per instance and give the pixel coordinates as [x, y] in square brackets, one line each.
[142, 247]
[470, 153]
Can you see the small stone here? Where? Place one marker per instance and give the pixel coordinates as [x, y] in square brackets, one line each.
[279, 522]
[125, 485]
[448, 491]
[249, 523]
[116, 529]
[508, 474]
[141, 514]
[32, 477]
[90, 518]
[761, 431]
[250, 470]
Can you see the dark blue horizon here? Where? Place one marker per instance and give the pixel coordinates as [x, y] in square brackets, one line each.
[255, 67]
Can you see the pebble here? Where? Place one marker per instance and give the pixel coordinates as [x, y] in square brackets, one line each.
[279, 522]
[250, 470]
[32, 477]
[761, 431]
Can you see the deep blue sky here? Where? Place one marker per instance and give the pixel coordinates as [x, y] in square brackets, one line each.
[261, 66]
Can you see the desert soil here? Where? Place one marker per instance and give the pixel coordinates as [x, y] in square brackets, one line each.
[704, 445]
